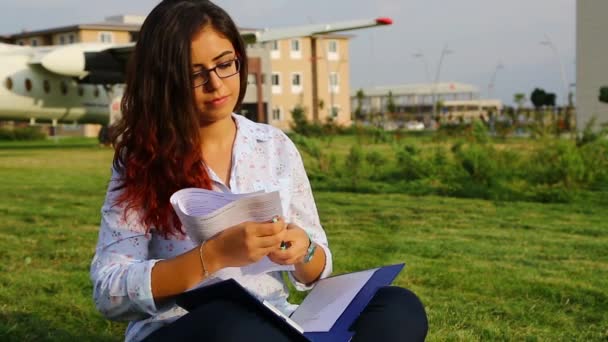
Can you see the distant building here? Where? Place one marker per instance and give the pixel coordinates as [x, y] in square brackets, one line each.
[320, 85]
[116, 29]
[415, 101]
[283, 74]
[591, 60]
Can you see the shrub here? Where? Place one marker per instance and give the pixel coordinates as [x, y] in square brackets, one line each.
[479, 163]
[22, 133]
[355, 164]
[410, 165]
[376, 161]
[558, 163]
[479, 133]
[7, 134]
[595, 159]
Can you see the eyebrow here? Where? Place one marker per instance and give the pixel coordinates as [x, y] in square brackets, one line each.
[227, 52]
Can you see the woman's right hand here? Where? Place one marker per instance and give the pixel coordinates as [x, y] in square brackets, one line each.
[246, 243]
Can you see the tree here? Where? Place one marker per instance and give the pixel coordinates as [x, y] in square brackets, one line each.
[604, 94]
[520, 100]
[390, 103]
[550, 99]
[359, 110]
[538, 98]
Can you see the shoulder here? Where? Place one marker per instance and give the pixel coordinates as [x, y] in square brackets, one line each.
[264, 133]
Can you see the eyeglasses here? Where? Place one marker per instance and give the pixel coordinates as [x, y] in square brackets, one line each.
[222, 70]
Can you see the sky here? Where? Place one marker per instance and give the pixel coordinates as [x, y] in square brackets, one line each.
[480, 35]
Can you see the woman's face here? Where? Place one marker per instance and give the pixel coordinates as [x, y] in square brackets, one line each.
[216, 98]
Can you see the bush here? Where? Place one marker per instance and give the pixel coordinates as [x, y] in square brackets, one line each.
[595, 159]
[22, 133]
[411, 165]
[558, 163]
[7, 134]
[479, 163]
[479, 133]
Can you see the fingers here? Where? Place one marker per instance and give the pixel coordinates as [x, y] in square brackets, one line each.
[272, 228]
[267, 235]
[287, 257]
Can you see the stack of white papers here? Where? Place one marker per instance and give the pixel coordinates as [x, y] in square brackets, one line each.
[205, 213]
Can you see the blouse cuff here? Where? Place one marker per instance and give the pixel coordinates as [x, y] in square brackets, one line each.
[139, 286]
[327, 269]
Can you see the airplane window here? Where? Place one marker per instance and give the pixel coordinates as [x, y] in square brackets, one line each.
[8, 83]
[28, 84]
[64, 88]
[80, 91]
[47, 86]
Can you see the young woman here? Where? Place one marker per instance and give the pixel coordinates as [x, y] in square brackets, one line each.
[187, 77]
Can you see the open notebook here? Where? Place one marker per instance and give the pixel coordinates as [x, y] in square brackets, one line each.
[326, 314]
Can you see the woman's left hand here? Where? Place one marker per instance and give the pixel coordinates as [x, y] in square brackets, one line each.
[297, 247]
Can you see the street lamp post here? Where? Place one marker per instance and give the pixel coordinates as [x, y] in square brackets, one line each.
[549, 43]
[445, 51]
[426, 73]
[499, 66]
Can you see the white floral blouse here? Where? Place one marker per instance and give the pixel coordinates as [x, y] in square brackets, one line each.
[263, 159]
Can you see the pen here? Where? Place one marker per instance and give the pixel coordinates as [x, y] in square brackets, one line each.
[283, 243]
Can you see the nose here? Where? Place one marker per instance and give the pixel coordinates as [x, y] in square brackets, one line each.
[215, 82]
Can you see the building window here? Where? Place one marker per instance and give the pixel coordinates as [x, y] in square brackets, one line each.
[276, 83]
[275, 52]
[34, 42]
[46, 85]
[64, 88]
[277, 114]
[8, 83]
[20, 42]
[334, 82]
[28, 84]
[106, 37]
[332, 50]
[81, 91]
[296, 83]
[71, 39]
[96, 92]
[334, 111]
[296, 49]
[61, 40]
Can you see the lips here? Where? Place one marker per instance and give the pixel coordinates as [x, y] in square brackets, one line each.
[218, 101]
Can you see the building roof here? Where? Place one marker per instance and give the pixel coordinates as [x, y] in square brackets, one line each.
[418, 89]
[105, 26]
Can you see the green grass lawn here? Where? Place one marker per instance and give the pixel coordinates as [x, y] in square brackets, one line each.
[485, 270]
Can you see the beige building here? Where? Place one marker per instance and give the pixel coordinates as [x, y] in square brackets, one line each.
[283, 74]
[414, 102]
[591, 62]
[117, 29]
[319, 85]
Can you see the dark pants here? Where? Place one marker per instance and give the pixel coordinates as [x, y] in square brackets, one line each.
[394, 314]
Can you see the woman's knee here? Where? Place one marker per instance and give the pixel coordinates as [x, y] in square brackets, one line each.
[398, 297]
[399, 310]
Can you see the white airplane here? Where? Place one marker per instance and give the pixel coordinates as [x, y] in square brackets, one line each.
[82, 83]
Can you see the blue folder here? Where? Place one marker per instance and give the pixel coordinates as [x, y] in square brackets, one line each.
[340, 331]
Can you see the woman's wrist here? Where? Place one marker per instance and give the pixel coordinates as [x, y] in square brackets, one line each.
[210, 257]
